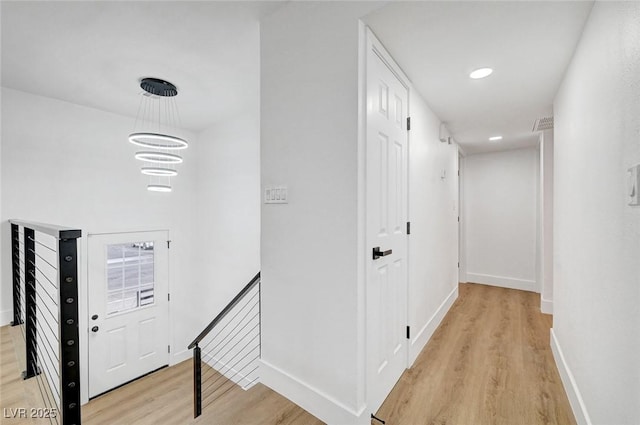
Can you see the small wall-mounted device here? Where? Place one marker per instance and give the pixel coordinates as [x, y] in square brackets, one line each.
[634, 186]
[276, 195]
[445, 135]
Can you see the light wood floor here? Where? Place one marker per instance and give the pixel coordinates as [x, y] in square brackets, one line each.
[14, 391]
[488, 363]
[161, 398]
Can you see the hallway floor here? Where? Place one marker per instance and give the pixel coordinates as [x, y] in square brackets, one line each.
[489, 363]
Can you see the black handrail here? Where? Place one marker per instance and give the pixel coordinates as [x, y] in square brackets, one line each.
[60, 232]
[225, 311]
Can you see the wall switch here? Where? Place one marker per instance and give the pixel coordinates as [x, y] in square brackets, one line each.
[276, 195]
[634, 186]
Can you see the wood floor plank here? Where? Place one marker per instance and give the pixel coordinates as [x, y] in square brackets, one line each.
[15, 393]
[489, 363]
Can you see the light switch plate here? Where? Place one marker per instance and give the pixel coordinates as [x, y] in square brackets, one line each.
[276, 195]
[634, 185]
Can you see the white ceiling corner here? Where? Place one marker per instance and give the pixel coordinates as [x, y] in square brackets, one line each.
[94, 53]
[528, 44]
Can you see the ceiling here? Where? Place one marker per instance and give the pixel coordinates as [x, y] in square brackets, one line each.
[94, 53]
[528, 44]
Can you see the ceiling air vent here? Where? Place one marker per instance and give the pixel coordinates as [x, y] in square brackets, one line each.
[545, 123]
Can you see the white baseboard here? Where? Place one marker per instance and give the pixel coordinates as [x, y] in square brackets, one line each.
[503, 282]
[462, 276]
[180, 356]
[423, 336]
[569, 383]
[314, 401]
[244, 381]
[6, 316]
[546, 306]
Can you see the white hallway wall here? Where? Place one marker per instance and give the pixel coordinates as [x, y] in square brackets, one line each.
[433, 212]
[312, 248]
[313, 320]
[228, 234]
[596, 326]
[500, 218]
[228, 206]
[545, 211]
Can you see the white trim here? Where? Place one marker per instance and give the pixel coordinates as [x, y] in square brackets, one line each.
[361, 259]
[5, 317]
[423, 336]
[375, 46]
[569, 383]
[180, 356]
[462, 238]
[502, 281]
[378, 48]
[229, 372]
[546, 306]
[85, 293]
[311, 399]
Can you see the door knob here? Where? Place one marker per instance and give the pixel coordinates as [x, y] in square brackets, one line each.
[377, 253]
[94, 329]
[94, 317]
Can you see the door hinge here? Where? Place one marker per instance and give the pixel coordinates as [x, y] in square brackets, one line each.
[458, 219]
[458, 264]
[408, 227]
[168, 244]
[408, 332]
[168, 297]
[408, 123]
[168, 348]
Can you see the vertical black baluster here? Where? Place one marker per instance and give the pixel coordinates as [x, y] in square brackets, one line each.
[30, 304]
[260, 315]
[197, 382]
[15, 267]
[69, 333]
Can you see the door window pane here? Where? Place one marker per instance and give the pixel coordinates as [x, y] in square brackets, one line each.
[130, 276]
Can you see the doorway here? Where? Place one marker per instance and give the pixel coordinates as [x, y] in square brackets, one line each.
[386, 211]
[128, 287]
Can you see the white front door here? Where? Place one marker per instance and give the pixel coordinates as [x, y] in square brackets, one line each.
[128, 307]
[386, 210]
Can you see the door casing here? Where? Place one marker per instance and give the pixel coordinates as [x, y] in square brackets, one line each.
[86, 322]
[374, 47]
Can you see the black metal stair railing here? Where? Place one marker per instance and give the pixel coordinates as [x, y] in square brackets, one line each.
[45, 307]
[226, 353]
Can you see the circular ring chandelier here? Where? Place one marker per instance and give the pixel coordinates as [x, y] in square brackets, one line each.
[158, 141]
[159, 188]
[158, 157]
[158, 118]
[159, 171]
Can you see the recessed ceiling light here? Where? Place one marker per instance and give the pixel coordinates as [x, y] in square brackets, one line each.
[481, 73]
[495, 138]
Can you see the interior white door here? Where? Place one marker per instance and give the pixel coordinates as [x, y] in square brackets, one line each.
[386, 211]
[128, 307]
